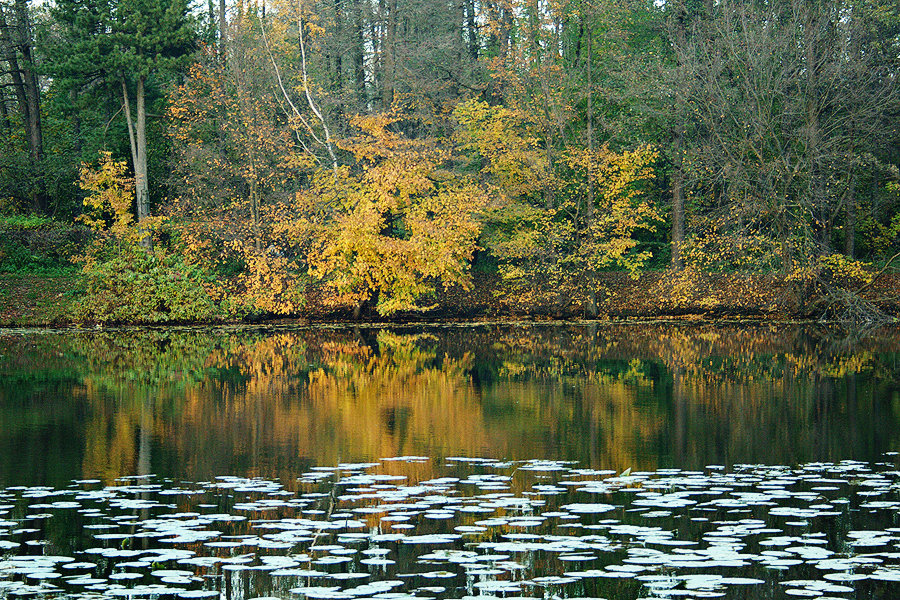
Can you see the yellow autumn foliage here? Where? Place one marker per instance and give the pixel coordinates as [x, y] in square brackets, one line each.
[396, 227]
[834, 270]
[506, 140]
[620, 209]
[110, 195]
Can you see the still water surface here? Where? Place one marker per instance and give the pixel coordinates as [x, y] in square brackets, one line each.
[614, 461]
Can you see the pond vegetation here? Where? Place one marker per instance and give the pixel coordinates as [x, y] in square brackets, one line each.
[484, 528]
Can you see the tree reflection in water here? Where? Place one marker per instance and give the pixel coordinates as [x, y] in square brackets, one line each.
[196, 403]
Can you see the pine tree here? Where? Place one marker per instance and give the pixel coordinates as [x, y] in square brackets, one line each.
[124, 43]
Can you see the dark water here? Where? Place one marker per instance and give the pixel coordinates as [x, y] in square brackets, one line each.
[614, 461]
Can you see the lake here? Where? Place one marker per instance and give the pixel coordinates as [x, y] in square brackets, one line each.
[618, 461]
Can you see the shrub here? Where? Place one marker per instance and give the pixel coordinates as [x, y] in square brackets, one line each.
[123, 280]
[131, 284]
[38, 245]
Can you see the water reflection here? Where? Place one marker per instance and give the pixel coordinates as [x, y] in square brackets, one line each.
[194, 404]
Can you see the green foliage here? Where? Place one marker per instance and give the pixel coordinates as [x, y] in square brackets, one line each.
[879, 228]
[586, 220]
[16, 257]
[24, 222]
[111, 37]
[35, 245]
[18, 173]
[131, 285]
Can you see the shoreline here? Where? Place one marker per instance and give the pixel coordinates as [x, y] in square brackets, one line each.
[296, 324]
[41, 302]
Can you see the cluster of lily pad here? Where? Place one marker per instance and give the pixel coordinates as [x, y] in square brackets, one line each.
[483, 528]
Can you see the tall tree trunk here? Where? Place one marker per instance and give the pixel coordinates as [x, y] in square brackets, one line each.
[819, 209]
[533, 33]
[137, 136]
[25, 85]
[140, 168]
[337, 75]
[5, 123]
[589, 208]
[388, 50]
[359, 57]
[493, 17]
[506, 26]
[677, 233]
[337, 78]
[677, 135]
[223, 30]
[494, 46]
[211, 15]
[850, 222]
[472, 29]
[15, 73]
[376, 44]
[29, 76]
[591, 307]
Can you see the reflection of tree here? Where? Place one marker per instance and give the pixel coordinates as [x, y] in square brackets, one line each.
[202, 403]
[768, 393]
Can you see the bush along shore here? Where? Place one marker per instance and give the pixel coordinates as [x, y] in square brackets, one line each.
[53, 274]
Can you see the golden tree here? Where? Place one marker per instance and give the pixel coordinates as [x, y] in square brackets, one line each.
[395, 228]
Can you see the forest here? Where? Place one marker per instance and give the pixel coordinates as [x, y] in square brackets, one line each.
[191, 162]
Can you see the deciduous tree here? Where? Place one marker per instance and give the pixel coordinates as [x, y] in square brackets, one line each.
[395, 227]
